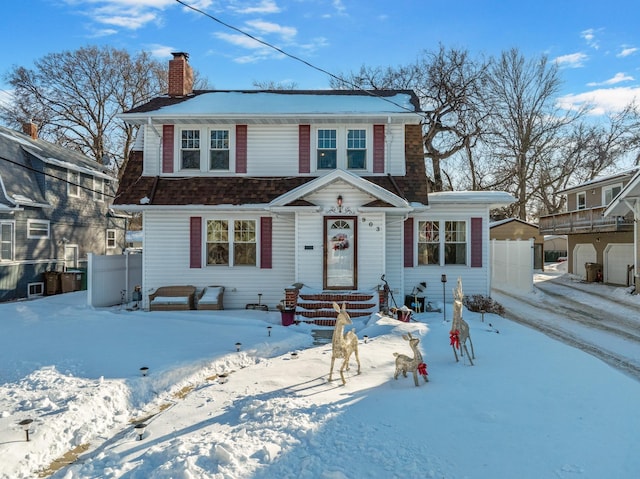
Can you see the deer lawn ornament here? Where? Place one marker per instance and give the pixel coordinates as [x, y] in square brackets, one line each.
[459, 333]
[343, 345]
[405, 364]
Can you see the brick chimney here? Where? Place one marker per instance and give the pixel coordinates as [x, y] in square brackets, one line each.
[30, 129]
[180, 75]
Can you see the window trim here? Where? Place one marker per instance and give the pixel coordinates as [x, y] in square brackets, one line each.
[231, 230]
[342, 133]
[610, 188]
[442, 242]
[73, 184]
[114, 239]
[205, 143]
[99, 185]
[12, 241]
[30, 224]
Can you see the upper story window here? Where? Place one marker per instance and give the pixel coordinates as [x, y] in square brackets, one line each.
[6, 241]
[231, 242]
[98, 189]
[356, 149]
[73, 183]
[190, 149]
[343, 147]
[327, 152]
[37, 229]
[219, 150]
[111, 239]
[610, 192]
[581, 201]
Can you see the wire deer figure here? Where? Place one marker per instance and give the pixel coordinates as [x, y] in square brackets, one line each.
[459, 334]
[343, 344]
[415, 365]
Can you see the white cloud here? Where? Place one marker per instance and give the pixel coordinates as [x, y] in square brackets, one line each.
[590, 36]
[601, 101]
[617, 78]
[240, 40]
[626, 51]
[272, 28]
[572, 60]
[265, 6]
[160, 51]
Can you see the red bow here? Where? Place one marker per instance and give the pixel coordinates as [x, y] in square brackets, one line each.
[454, 336]
[422, 369]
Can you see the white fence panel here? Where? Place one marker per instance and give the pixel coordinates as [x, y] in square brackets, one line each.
[111, 275]
[512, 265]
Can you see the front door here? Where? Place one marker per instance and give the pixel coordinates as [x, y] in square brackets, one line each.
[340, 253]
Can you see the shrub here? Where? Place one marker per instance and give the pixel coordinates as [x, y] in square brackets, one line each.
[478, 303]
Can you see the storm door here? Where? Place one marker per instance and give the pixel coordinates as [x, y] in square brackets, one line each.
[340, 253]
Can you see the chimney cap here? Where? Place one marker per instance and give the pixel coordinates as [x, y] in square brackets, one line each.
[180, 54]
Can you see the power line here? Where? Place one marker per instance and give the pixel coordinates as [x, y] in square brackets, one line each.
[296, 58]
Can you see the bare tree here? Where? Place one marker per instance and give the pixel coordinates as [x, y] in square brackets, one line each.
[526, 128]
[450, 86]
[75, 97]
[272, 85]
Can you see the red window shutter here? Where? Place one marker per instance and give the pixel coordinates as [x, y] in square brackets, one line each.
[241, 148]
[167, 148]
[408, 243]
[378, 148]
[266, 242]
[476, 242]
[195, 242]
[304, 148]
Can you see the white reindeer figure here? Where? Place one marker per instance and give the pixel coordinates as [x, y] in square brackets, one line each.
[459, 334]
[415, 364]
[343, 346]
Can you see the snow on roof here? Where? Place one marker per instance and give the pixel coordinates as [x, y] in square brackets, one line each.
[492, 198]
[509, 220]
[256, 103]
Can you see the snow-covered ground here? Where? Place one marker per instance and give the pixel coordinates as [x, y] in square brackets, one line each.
[530, 407]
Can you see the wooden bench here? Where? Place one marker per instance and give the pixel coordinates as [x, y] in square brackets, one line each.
[211, 297]
[172, 298]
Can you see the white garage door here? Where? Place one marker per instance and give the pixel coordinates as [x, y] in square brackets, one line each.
[616, 259]
[583, 253]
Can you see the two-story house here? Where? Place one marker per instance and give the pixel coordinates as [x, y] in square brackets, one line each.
[605, 242]
[258, 190]
[54, 209]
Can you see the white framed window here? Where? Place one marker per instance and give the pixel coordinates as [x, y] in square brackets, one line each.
[231, 242]
[442, 242]
[38, 229]
[190, 150]
[219, 150]
[6, 241]
[343, 147]
[610, 192]
[356, 149]
[581, 200]
[98, 188]
[73, 183]
[111, 239]
[35, 289]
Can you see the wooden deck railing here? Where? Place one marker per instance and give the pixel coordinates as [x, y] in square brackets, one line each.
[583, 221]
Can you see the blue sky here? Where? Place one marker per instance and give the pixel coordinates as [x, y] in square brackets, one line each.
[597, 44]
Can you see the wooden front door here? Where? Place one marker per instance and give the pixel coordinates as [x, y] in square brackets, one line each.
[340, 252]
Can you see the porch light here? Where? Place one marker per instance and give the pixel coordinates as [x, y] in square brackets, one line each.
[26, 424]
[339, 202]
[140, 428]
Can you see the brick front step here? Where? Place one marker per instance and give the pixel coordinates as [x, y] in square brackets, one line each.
[348, 307]
[337, 297]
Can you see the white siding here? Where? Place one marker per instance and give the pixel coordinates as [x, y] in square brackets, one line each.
[166, 257]
[152, 149]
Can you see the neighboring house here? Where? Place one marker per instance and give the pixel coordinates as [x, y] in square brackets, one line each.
[626, 204]
[555, 248]
[517, 229]
[258, 190]
[54, 209]
[592, 237]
